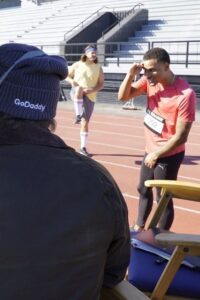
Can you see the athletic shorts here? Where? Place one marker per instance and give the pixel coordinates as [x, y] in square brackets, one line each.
[88, 105]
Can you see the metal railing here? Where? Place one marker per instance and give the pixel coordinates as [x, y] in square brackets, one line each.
[103, 9]
[38, 2]
[181, 52]
[82, 23]
[121, 15]
[189, 49]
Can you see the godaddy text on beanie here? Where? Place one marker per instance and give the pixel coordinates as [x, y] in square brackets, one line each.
[28, 104]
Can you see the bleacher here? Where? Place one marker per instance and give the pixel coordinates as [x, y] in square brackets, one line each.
[169, 22]
[48, 22]
[20, 24]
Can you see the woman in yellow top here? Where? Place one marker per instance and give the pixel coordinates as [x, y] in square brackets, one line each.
[86, 77]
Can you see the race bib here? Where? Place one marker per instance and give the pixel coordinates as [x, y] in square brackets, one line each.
[154, 122]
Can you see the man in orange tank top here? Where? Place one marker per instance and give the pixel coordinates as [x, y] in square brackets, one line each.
[170, 112]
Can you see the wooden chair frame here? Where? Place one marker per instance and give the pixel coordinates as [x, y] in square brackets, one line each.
[185, 244]
[123, 291]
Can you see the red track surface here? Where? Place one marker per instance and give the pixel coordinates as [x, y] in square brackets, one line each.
[117, 141]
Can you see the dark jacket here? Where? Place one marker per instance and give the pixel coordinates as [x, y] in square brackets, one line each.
[63, 221]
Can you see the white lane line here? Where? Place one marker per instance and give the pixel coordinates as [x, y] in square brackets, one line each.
[114, 146]
[116, 124]
[103, 144]
[138, 168]
[122, 165]
[189, 178]
[117, 165]
[113, 124]
[132, 118]
[194, 211]
[106, 132]
[122, 134]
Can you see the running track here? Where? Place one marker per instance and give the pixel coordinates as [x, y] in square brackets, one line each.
[116, 140]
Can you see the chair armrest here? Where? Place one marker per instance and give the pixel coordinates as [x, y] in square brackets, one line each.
[122, 291]
[190, 243]
[180, 189]
[185, 244]
[172, 239]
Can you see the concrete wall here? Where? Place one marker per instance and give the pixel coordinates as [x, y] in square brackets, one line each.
[122, 31]
[38, 2]
[9, 3]
[89, 34]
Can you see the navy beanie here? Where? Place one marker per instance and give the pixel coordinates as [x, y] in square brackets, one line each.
[30, 81]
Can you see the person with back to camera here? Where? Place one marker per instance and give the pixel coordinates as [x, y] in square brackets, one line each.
[168, 120]
[86, 77]
[59, 239]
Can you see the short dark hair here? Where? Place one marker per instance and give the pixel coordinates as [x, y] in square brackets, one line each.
[84, 57]
[8, 120]
[160, 54]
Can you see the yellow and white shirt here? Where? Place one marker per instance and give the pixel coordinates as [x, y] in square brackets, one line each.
[87, 75]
